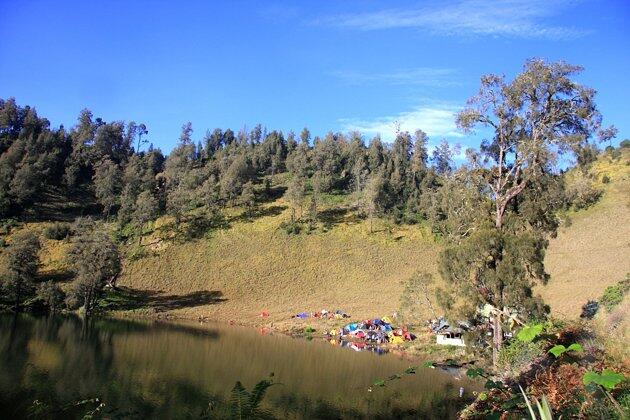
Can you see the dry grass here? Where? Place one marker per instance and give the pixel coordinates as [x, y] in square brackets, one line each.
[594, 252]
[257, 267]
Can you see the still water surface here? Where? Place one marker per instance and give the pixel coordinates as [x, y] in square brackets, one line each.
[144, 369]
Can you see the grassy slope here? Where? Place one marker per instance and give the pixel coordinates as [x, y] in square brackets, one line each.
[257, 267]
[594, 251]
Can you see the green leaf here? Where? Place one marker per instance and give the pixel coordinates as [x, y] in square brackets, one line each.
[557, 350]
[607, 379]
[483, 396]
[491, 384]
[474, 372]
[379, 382]
[410, 370]
[427, 364]
[545, 410]
[529, 405]
[529, 332]
[610, 379]
[575, 347]
[590, 377]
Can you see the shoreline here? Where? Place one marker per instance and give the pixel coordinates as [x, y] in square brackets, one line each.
[419, 350]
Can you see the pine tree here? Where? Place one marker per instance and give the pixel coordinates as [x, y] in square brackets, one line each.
[22, 264]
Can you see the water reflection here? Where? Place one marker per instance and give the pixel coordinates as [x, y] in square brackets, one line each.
[159, 370]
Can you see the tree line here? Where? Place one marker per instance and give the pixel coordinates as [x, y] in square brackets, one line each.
[107, 162]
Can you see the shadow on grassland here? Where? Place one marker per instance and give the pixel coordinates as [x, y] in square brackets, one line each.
[125, 299]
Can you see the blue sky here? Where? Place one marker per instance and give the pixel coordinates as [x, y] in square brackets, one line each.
[327, 65]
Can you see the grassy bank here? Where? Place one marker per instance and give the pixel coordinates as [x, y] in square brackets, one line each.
[593, 251]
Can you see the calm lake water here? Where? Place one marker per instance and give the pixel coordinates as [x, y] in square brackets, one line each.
[163, 370]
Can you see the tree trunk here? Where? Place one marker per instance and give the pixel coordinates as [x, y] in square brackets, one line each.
[499, 216]
[497, 339]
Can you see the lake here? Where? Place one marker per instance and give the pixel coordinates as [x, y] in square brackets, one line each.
[149, 369]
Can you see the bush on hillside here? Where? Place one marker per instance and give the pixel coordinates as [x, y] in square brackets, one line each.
[57, 231]
[605, 179]
[581, 193]
[613, 295]
[51, 295]
[6, 226]
[624, 144]
[518, 355]
[292, 228]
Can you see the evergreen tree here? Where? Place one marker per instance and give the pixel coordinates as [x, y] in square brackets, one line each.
[145, 210]
[107, 184]
[375, 197]
[248, 198]
[419, 157]
[375, 154]
[295, 195]
[22, 263]
[96, 263]
[442, 158]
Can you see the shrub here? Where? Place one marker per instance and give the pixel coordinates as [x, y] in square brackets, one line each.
[136, 252]
[624, 144]
[6, 226]
[562, 385]
[581, 193]
[605, 179]
[518, 354]
[51, 295]
[291, 228]
[568, 222]
[57, 231]
[613, 295]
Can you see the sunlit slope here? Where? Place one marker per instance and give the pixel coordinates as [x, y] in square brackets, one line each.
[257, 266]
[594, 251]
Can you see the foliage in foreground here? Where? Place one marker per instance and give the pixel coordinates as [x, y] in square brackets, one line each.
[572, 381]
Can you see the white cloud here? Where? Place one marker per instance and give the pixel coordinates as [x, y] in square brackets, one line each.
[420, 76]
[437, 120]
[512, 18]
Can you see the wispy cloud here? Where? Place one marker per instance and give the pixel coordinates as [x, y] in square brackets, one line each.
[436, 119]
[421, 76]
[511, 18]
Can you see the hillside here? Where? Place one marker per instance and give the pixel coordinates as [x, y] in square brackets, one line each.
[256, 266]
[593, 252]
[235, 273]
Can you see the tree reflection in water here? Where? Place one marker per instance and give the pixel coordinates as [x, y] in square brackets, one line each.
[145, 369]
